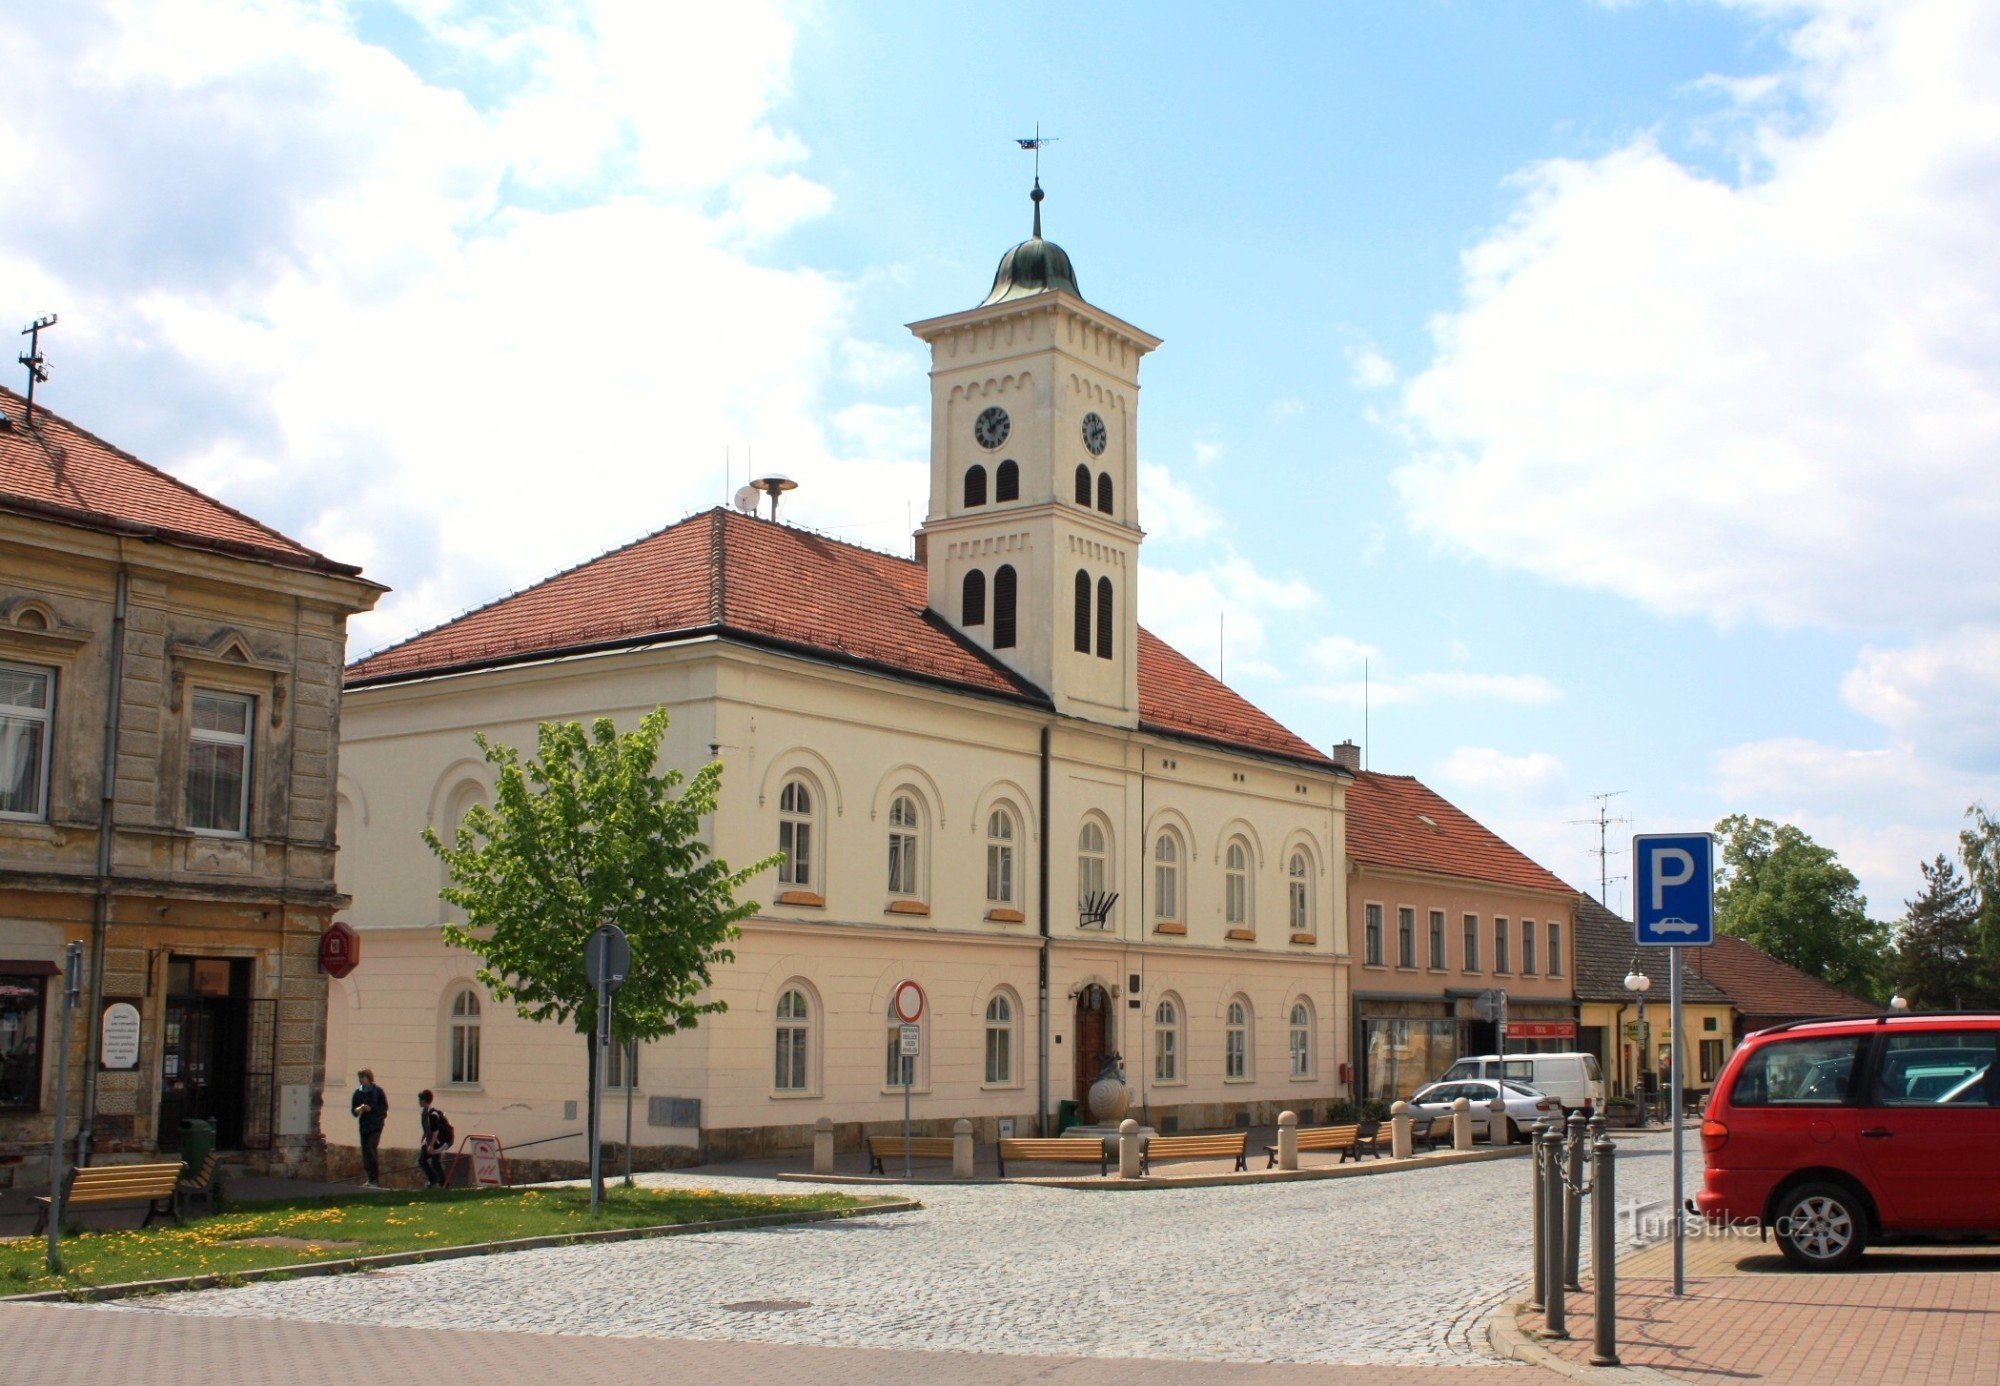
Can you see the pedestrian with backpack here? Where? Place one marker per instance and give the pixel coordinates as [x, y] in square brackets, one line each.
[437, 1139]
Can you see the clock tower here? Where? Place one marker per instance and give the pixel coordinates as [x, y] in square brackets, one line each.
[1032, 537]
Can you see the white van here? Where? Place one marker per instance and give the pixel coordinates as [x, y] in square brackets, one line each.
[1572, 1079]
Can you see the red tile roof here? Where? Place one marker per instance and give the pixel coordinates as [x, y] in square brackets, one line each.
[1399, 823]
[61, 472]
[728, 574]
[1767, 991]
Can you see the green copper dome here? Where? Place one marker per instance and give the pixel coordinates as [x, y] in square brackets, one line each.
[1033, 267]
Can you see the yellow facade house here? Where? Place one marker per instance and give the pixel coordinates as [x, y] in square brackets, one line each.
[962, 757]
[196, 653]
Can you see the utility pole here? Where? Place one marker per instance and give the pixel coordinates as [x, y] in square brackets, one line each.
[37, 364]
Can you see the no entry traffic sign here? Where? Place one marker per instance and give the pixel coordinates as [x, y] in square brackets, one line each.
[908, 1001]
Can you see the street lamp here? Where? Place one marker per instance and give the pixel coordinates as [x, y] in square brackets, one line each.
[1638, 983]
[1899, 1004]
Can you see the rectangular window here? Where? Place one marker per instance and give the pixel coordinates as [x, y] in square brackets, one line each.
[1406, 936]
[999, 1054]
[218, 775]
[27, 695]
[791, 1071]
[1527, 948]
[1499, 943]
[619, 1061]
[1555, 949]
[1401, 1055]
[1472, 943]
[1711, 1059]
[21, 1041]
[899, 1070]
[1799, 1073]
[1374, 940]
[1233, 1059]
[1437, 940]
[1953, 1069]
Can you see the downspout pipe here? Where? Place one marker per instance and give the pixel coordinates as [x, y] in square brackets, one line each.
[1042, 909]
[100, 910]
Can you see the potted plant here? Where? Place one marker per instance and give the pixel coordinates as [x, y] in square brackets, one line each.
[1621, 1110]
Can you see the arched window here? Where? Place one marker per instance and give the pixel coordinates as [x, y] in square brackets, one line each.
[975, 484]
[794, 1043]
[1082, 612]
[1167, 1041]
[899, 1070]
[1236, 1040]
[1236, 885]
[1302, 1038]
[463, 1043]
[1104, 618]
[1007, 481]
[1093, 859]
[1082, 484]
[905, 847]
[1003, 607]
[1104, 492]
[972, 599]
[1000, 1039]
[795, 835]
[1299, 891]
[1167, 878]
[1000, 858]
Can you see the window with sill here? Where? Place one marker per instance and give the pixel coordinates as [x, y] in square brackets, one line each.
[1093, 859]
[905, 848]
[462, 1067]
[796, 823]
[1472, 943]
[901, 1070]
[621, 1065]
[1555, 949]
[1527, 948]
[27, 705]
[219, 760]
[1000, 1039]
[1301, 1038]
[793, 1042]
[1437, 940]
[1236, 886]
[1000, 888]
[1236, 1040]
[1167, 855]
[1299, 900]
[1372, 935]
[1499, 943]
[1406, 936]
[1167, 1041]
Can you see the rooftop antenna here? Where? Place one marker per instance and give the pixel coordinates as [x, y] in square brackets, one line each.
[1604, 850]
[774, 486]
[746, 500]
[1221, 644]
[1366, 740]
[1036, 196]
[37, 364]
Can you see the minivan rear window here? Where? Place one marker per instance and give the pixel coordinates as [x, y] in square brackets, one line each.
[1952, 1069]
[1806, 1072]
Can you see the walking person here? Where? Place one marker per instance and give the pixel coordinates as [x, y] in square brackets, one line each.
[370, 1106]
[437, 1139]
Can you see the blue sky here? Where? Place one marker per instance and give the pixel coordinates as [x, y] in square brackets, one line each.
[1615, 380]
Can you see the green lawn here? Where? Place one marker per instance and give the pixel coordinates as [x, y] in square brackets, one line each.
[376, 1223]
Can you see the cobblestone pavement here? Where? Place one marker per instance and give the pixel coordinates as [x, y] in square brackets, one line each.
[1395, 1269]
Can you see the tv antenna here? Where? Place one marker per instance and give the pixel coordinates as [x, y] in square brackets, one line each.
[1603, 851]
[37, 364]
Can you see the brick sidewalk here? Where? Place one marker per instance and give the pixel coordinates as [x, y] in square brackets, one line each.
[87, 1347]
[1925, 1316]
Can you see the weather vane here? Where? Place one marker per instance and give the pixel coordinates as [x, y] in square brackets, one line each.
[37, 364]
[1036, 144]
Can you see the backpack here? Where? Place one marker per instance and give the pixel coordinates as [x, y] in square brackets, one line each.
[442, 1132]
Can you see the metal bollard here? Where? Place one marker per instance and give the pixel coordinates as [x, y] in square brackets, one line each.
[1555, 1304]
[1535, 1202]
[1604, 1249]
[1573, 1204]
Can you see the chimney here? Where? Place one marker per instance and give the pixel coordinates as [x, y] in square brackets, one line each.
[921, 545]
[1347, 756]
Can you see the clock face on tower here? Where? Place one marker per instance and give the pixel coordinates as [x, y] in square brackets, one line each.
[991, 428]
[1093, 434]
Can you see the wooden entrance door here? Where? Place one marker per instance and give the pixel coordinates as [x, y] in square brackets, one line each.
[1093, 1041]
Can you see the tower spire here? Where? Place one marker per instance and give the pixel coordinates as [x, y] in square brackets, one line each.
[1036, 198]
[1036, 144]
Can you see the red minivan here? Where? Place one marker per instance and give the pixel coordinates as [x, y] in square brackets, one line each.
[1836, 1133]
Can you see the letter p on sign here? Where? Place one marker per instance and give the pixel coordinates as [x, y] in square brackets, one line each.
[1672, 866]
[1673, 888]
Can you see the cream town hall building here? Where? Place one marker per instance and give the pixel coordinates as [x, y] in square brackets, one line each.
[958, 755]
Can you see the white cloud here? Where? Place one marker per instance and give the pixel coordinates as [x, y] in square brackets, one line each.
[1384, 686]
[463, 318]
[1207, 454]
[1227, 599]
[1486, 769]
[1774, 397]
[1290, 407]
[1936, 696]
[1171, 511]
[1369, 369]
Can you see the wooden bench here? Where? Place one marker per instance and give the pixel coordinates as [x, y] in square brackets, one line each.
[109, 1185]
[1318, 1138]
[1429, 1132]
[1370, 1138]
[891, 1147]
[201, 1184]
[1062, 1148]
[1228, 1146]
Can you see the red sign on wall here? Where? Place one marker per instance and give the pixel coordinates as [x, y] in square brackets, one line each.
[1541, 1029]
[339, 949]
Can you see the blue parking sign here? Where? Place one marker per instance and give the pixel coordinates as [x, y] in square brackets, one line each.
[1673, 888]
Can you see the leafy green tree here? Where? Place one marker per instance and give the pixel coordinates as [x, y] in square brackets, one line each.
[1979, 849]
[584, 834]
[1792, 898]
[1937, 965]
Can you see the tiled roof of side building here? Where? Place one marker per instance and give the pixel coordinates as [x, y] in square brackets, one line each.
[729, 574]
[1398, 823]
[1605, 953]
[1757, 984]
[56, 470]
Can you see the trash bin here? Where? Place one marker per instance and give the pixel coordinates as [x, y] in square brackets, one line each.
[197, 1139]
[1067, 1116]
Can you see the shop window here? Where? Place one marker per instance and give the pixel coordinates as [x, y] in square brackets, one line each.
[23, 1016]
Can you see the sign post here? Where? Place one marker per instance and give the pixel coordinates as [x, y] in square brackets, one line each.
[72, 989]
[907, 1000]
[1673, 899]
[607, 957]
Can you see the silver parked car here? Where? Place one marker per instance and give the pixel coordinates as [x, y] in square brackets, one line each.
[1524, 1108]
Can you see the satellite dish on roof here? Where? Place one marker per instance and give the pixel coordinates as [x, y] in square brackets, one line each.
[746, 499]
[774, 484]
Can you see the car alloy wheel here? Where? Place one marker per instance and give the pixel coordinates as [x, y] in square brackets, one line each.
[1821, 1227]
